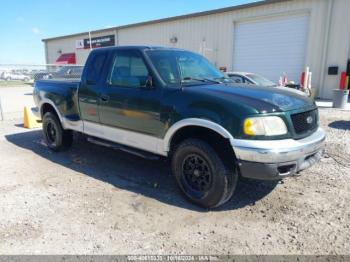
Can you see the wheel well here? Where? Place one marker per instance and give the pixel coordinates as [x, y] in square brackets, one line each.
[221, 144]
[48, 108]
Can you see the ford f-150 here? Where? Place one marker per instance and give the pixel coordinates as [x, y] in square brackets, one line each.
[167, 102]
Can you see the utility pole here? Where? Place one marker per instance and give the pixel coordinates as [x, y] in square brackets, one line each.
[90, 40]
[1, 113]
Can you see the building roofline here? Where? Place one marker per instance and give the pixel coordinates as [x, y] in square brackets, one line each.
[173, 18]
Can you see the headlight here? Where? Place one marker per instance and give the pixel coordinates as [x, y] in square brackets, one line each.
[264, 126]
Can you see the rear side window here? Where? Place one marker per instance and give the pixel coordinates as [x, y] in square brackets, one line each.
[237, 79]
[128, 70]
[95, 68]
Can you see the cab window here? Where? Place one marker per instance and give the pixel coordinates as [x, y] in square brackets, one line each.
[94, 69]
[128, 70]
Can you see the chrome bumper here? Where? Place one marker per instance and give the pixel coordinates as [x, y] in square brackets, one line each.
[279, 151]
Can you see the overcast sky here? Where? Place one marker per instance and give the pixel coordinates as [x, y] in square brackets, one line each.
[24, 23]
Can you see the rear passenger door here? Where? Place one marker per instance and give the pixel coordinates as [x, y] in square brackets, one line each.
[90, 88]
[126, 102]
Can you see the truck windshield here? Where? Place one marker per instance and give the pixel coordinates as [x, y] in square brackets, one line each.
[183, 67]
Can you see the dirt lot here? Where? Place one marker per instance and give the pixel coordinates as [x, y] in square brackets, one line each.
[93, 200]
[22, 94]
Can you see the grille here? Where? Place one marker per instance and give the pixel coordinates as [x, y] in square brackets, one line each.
[305, 121]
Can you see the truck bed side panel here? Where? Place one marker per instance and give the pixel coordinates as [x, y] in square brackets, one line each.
[63, 94]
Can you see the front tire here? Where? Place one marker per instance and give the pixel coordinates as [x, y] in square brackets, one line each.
[202, 175]
[56, 138]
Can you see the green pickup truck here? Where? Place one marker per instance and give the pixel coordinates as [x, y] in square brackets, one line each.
[166, 102]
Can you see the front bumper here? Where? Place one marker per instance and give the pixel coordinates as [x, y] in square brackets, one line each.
[275, 159]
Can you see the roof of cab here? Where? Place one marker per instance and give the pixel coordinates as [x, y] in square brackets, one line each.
[136, 47]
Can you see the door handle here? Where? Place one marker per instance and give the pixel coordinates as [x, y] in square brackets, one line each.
[104, 98]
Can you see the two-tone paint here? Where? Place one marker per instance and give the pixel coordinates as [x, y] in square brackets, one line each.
[148, 118]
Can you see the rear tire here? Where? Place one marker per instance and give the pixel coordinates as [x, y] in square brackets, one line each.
[56, 138]
[202, 175]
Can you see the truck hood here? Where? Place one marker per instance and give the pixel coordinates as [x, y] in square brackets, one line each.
[263, 99]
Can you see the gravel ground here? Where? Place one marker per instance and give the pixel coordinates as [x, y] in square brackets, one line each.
[93, 200]
[23, 95]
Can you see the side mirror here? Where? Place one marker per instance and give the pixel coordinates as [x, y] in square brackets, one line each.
[149, 82]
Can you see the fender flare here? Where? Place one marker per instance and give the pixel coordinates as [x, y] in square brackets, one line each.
[194, 122]
[66, 124]
[46, 101]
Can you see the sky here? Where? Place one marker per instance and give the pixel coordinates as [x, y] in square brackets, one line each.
[23, 23]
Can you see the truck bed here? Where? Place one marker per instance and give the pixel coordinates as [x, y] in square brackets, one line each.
[63, 93]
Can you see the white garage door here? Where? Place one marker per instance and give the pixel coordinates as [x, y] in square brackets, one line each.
[271, 47]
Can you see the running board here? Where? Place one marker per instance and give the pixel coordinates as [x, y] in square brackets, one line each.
[134, 151]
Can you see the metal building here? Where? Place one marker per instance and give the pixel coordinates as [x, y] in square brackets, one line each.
[271, 38]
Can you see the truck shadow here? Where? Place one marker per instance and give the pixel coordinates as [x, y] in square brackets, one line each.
[150, 178]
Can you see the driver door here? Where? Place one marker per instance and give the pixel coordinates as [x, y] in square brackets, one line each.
[129, 106]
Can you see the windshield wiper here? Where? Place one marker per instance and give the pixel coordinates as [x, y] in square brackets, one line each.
[205, 80]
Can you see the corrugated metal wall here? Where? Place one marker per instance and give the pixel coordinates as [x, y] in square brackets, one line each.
[338, 47]
[212, 35]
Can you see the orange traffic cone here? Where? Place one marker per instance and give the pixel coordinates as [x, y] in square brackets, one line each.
[30, 121]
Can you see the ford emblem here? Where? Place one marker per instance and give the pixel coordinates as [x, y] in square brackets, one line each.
[309, 120]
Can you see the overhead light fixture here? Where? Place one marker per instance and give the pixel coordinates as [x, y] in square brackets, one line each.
[173, 40]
